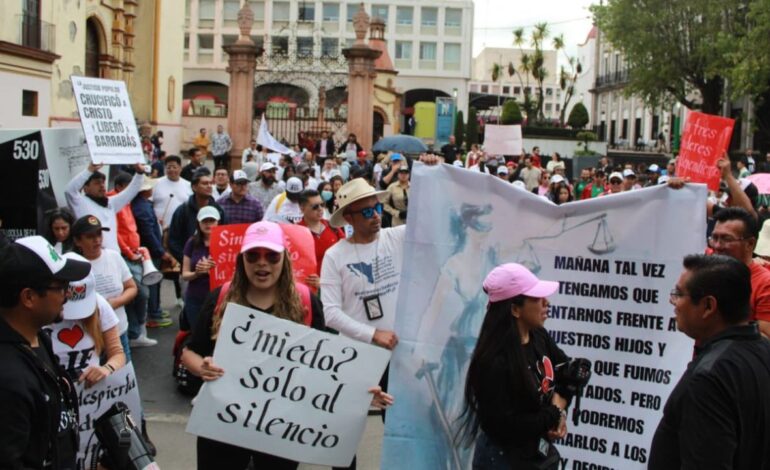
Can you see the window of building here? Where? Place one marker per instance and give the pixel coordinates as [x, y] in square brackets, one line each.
[452, 56]
[558, 107]
[453, 18]
[485, 88]
[330, 47]
[28, 103]
[506, 90]
[206, 11]
[230, 11]
[186, 41]
[548, 107]
[516, 90]
[93, 50]
[380, 11]
[280, 45]
[187, 13]
[304, 47]
[306, 11]
[206, 42]
[228, 39]
[427, 51]
[352, 9]
[549, 92]
[259, 10]
[331, 12]
[403, 50]
[404, 16]
[429, 16]
[281, 11]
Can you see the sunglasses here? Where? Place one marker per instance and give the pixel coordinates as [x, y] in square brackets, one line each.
[315, 207]
[272, 257]
[368, 212]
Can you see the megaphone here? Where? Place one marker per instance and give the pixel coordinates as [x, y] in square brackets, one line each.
[150, 274]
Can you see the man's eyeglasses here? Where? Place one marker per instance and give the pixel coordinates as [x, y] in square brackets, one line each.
[675, 295]
[63, 289]
[252, 256]
[368, 212]
[315, 207]
[723, 240]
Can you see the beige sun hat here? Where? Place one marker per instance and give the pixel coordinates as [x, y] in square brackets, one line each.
[352, 191]
[763, 241]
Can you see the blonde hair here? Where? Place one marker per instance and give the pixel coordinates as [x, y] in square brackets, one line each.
[93, 326]
[287, 302]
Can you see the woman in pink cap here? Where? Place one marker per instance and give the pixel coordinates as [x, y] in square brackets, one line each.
[263, 280]
[515, 402]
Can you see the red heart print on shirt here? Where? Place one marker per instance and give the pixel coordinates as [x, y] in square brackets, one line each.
[70, 336]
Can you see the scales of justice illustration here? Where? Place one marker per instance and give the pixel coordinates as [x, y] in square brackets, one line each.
[603, 242]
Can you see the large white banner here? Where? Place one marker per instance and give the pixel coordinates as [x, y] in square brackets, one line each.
[502, 140]
[288, 390]
[94, 401]
[616, 258]
[108, 120]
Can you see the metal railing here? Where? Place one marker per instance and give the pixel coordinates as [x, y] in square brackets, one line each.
[35, 33]
[614, 78]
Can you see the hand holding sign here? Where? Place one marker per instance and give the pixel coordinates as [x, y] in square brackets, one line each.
[704, 141]
[209, 371]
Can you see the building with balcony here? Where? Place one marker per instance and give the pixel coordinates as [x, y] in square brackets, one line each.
[429, 43]
[44, 42]
[486, 94]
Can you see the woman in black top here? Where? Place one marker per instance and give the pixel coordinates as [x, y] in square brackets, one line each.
[263, 280]
[515, 404]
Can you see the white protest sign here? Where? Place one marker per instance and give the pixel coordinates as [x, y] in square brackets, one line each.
[67, 155]
[616, 259]
[288, 390]
[108, 121]
[94, 401]
[502, 140]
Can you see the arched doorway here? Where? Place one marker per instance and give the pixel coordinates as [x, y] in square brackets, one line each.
[93, 48]
[378, 127]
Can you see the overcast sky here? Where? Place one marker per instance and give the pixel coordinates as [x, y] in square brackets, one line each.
[495, 20]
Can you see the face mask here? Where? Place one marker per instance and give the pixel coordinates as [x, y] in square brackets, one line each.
[327, 195]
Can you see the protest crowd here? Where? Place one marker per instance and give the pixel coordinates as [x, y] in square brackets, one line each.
[86, 273]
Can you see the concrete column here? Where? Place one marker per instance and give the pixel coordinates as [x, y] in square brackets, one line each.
[361, 77]
[242, 62]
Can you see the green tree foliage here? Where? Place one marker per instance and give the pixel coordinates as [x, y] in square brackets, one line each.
[511, 113]
[459, 131]
[578, 117]
[472, 128]
[685, 50]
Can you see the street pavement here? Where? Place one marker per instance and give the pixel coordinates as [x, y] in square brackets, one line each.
[166, 410]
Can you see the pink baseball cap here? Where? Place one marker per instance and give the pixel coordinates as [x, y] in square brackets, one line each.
[263, 235]
[511, 279]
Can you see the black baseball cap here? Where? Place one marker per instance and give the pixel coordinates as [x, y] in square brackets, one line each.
[32, 260]
[87, 224]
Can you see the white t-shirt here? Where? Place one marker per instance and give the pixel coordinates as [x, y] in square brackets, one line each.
[216, 193]
[111, 271]
[283, 211]
[73, 345]
[167, 195]
[353, 273]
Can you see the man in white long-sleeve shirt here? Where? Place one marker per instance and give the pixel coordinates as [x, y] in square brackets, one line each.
[93, 199]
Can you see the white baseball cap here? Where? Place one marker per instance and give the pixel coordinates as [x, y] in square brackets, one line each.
[615, 174]
[628, 172]
[240, 175]
[557, 179]
[502, 170]
[267, 166]
[294, 185]
[81, 299]
[208, 212]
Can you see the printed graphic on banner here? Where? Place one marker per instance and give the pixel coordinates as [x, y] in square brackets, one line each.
[288, 390]
[226, 243]
[94, 401]
[66, 154]
[108, 120]
[502, 140]
[615, 273]
[21, 181]
[445, 115]
[704, 141]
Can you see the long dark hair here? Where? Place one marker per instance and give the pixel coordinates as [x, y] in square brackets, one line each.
[499, 339]
[52, 216]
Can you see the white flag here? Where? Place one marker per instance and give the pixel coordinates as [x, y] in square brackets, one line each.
[268, 141]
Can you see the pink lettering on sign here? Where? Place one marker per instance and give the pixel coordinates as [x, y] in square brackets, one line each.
[704, 141]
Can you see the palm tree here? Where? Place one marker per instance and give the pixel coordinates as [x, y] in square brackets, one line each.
[567, 79]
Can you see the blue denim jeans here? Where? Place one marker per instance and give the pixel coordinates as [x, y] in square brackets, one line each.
[126, 346]
[136, 310]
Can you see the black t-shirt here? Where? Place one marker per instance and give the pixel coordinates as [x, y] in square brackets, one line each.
[68, 419]
[201, 342]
